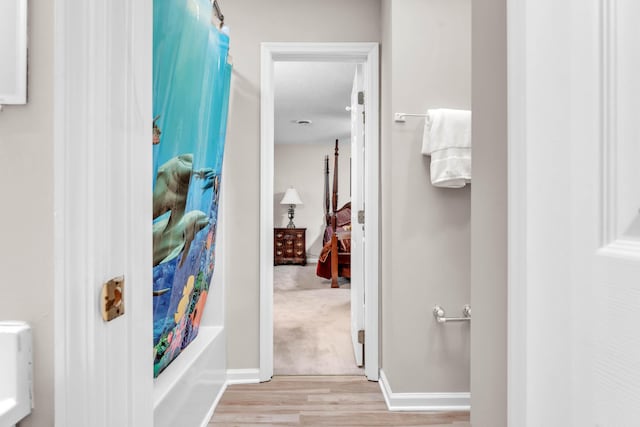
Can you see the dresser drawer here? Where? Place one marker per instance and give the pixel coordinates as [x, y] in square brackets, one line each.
[289, 246]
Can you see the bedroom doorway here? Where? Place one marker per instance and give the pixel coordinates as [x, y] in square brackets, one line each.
[313, 169]
[289, 143]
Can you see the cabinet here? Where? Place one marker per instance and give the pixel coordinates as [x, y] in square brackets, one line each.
[289, 246]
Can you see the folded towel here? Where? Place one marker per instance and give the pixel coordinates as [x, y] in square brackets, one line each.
[445, 128]
[447, 139]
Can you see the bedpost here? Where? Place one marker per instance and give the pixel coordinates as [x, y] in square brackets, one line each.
[334, 237]
[334, 201]
[327, 197]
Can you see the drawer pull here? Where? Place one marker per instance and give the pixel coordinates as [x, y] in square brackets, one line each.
[278, 244]
[278, 252]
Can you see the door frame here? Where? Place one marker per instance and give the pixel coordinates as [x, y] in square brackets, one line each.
[101, 368]
[517, 207]
[368, 55]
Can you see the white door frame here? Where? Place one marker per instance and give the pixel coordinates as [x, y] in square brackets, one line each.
[368, 55]
[516, 205]
[103, 371]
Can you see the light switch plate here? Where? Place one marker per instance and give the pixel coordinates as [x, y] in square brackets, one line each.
[112, 299]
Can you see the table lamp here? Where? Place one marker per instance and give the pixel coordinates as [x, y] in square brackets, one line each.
[292, 199]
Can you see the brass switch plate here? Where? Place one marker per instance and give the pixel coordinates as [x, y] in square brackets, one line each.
[112, 299]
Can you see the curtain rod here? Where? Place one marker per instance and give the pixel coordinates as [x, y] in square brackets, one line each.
[218, 12]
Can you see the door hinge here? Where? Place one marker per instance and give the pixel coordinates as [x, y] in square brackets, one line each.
[361, 336]
[360, 98]
[361, 217]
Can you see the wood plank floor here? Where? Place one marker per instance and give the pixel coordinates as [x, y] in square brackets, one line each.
[320, 401]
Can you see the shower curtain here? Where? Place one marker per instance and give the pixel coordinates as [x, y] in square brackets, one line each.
[191, 79]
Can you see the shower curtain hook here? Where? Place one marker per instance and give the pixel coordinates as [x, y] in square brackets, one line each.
[218, 12]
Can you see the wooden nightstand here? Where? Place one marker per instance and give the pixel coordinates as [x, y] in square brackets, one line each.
[289, 246]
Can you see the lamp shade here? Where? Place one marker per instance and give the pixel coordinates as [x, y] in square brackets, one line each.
[291, 197]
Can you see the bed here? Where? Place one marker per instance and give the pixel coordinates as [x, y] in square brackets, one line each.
[335, 257]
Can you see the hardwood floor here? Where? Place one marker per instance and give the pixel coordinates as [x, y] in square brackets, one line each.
[320, 401]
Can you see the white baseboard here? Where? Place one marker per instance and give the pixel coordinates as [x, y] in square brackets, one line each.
[234, 376]
[206, 420]
[243, 376]
[423, 401]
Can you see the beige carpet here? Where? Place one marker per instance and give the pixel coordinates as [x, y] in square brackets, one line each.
[311, 324]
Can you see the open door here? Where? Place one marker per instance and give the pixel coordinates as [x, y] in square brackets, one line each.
[574, 222]
[357, 223]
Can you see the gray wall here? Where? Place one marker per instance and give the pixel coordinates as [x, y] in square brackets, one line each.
[253, 22]
[426, 63]
[302, 166]
[489, 216]
[26, 168]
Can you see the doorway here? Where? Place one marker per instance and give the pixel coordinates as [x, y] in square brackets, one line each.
[365, 303]
[313, 155]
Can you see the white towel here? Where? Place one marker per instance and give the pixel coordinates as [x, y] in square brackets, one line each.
[447, 139]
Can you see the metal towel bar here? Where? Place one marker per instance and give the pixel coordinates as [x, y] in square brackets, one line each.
[439, 314]
[401, 117]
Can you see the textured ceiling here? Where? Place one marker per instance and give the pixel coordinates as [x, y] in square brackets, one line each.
[316, 91]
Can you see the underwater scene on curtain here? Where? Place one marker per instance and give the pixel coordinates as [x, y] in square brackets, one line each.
[191, 79]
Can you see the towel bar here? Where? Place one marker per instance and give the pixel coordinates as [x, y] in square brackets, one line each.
[438, 313]
[401, 117]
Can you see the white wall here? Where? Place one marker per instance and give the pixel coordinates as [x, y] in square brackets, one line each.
[426, 60]
[253, 22]
[302, 166]
[26, 169]
[489, 216]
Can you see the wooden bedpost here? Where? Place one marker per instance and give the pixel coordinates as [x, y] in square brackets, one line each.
[334, 237]
[327, 197]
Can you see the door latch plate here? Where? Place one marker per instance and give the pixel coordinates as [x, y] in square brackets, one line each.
[112, 299]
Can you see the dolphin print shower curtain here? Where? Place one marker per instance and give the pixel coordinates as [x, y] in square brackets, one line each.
[190, 104]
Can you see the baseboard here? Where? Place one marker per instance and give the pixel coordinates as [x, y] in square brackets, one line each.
[423, 401]
[243, 376]
[234, 376]
[205, 421]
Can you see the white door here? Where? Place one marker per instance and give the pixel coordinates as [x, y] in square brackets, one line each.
[575, 221]
[357, 204]
[616, 284]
